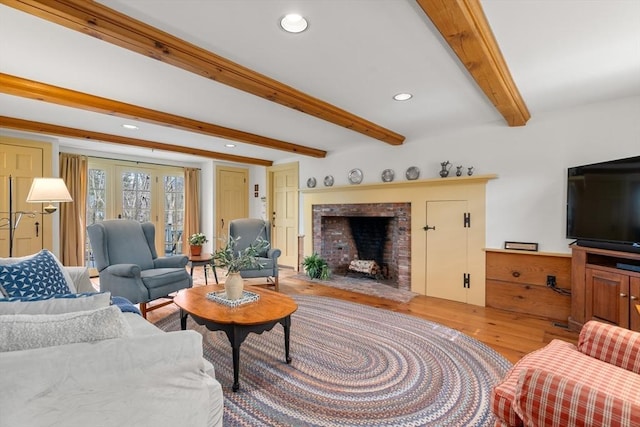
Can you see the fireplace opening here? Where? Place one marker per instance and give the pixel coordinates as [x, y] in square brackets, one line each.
[370, 235]
[378, 233]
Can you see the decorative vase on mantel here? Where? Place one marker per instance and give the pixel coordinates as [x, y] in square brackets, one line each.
[233, 286]
[444, 172]
[196, 250]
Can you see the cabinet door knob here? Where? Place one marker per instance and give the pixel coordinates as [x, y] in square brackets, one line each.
[515, 274]
[633, 297]
[623, 295]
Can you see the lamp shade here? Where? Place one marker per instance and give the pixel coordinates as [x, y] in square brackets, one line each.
[47, 190]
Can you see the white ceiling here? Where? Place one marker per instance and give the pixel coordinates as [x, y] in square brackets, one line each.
[356, 54]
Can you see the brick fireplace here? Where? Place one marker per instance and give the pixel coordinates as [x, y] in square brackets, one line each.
[373, 231]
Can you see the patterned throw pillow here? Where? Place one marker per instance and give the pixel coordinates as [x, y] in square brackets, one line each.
[32, 298]
[37, 276]
[24, 331]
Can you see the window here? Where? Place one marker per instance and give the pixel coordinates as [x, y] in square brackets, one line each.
[136, 196]
[97, 197]
[173, 213]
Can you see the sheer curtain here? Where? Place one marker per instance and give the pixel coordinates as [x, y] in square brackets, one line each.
[73, 170]
[191, 205]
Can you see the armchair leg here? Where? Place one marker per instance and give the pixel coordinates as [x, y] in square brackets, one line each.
[273, 281]
[146, 307]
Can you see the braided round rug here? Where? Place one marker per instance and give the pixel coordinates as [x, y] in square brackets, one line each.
[354, 365]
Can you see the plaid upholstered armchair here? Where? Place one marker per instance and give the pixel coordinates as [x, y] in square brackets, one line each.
[596, 383]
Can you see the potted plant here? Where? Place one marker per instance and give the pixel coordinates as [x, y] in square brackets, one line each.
[316, 267]
[196, 241]
[236, 260]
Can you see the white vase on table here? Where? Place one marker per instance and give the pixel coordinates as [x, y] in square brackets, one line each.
[233, 286]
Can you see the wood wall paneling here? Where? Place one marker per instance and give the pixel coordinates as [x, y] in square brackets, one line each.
[517, 282]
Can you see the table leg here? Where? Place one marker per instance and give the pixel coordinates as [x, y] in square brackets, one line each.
[183, 319]
[205, 274]
[236, 368]
[238, 333]
[236, 337]
[215, 275]
[286, 324]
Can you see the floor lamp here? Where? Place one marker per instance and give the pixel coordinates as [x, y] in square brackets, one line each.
[43, 190]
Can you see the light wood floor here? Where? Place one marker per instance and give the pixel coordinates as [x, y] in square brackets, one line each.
[512, 335]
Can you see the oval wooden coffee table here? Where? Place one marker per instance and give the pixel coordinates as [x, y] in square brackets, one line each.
[237, 322]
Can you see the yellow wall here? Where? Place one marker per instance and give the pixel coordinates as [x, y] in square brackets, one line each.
[417, 193]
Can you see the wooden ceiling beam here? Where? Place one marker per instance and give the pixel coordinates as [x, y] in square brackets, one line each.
[17, 86]
[49, 129]
[106, 24]
[465, 28]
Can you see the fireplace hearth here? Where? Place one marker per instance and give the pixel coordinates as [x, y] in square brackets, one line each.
[378, 232]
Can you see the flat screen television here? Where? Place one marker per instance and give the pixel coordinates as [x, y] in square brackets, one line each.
[603, 204]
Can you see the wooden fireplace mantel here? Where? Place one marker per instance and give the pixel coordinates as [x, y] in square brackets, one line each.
[454, 180]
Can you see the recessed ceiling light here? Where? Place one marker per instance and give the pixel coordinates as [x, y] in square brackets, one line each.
[128, 126]
[229, 145]
[402, 96]
[294, 23]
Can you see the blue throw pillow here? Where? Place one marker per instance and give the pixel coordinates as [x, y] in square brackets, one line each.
[45, 297]
[36, 276]
[125, 305]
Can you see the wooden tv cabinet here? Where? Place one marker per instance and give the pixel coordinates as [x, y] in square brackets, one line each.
[602, 291]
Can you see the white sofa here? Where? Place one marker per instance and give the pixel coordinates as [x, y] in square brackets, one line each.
[146, 378]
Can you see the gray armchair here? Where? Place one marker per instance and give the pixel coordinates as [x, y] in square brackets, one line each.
[129, 266]
[250, 229]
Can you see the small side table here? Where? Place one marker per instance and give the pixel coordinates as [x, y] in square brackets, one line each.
[203, 260]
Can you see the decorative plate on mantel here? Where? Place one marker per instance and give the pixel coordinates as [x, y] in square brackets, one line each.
[355, 176]
[388, 175]
[311, 182]
[412, 173]
[328, 180]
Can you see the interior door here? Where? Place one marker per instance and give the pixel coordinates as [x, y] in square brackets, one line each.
[284, 215]
[232, 198]
[447, 250]
[23, 164]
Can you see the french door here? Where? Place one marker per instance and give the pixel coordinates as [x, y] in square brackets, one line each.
[127, 190]
[135, 194]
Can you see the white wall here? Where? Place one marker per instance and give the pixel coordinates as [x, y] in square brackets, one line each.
[527, 202]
